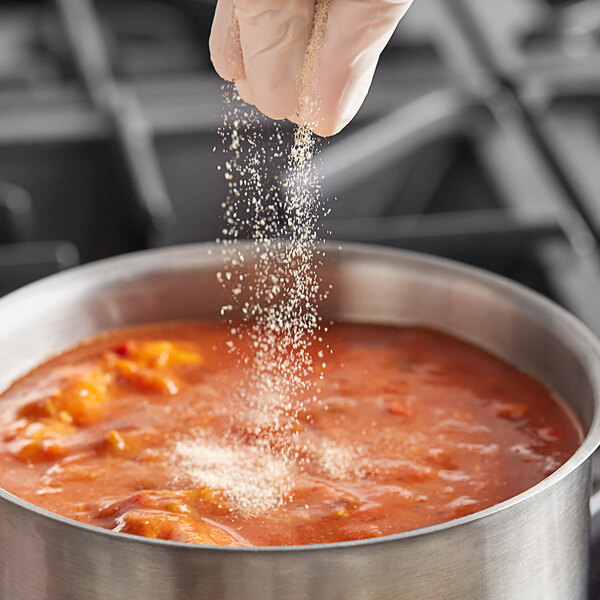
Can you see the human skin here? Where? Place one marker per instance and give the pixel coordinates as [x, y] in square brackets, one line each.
[261, 45]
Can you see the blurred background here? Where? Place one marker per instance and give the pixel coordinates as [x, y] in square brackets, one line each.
[479, 140]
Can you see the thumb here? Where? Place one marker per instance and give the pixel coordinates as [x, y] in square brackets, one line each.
[356, 34]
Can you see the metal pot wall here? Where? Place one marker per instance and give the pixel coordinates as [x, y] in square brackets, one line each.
[533, 546]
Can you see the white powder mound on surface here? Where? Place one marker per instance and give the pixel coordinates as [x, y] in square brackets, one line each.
[254, 479]
[251, 479]
[337, 461]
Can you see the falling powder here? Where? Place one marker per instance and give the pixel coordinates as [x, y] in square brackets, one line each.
[283, 302]
[279, 299]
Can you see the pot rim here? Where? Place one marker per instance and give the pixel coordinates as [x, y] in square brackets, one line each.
[119, 268]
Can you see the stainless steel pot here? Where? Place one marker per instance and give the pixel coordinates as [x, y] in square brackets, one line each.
[533, 546]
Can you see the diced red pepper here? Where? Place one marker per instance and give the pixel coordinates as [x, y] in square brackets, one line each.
[123, 349]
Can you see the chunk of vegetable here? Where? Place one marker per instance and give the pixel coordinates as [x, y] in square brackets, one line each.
[45, 440]
[144, 377]
[178, 528]
[79, 402]
[512, 412]
[157, 354]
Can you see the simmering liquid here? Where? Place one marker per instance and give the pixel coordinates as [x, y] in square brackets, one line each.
[148, 431]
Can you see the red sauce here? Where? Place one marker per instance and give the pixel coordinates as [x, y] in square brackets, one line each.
[425, 428]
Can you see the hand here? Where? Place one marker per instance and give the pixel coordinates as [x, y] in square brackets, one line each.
[261, 45]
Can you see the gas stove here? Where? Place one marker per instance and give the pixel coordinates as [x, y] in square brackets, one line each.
[479, 140]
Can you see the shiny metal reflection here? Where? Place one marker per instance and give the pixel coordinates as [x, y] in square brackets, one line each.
[532, 547]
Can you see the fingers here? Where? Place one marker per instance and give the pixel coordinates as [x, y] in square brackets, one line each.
[261, 44]
[225, 47]
[357, 32]
[243, 90]
[274, 35]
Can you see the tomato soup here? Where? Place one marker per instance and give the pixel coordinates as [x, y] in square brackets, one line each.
[145, 431]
